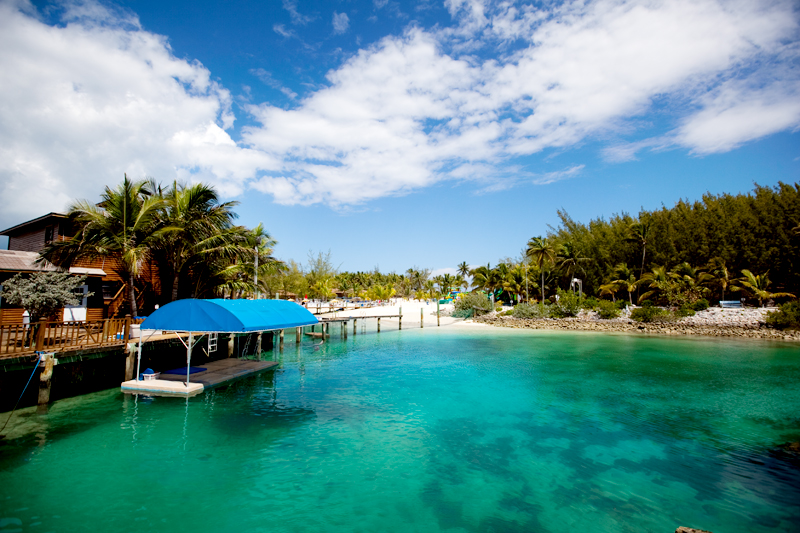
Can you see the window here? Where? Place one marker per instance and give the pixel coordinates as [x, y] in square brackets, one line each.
[48, 235]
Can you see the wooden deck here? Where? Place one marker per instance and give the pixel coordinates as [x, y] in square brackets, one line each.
[217, 373]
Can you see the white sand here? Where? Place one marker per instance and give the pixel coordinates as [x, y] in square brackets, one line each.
[411, 314]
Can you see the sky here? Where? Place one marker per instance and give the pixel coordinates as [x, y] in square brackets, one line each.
[400, 134]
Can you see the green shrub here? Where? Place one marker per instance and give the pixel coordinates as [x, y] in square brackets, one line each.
[567, 304]
[590, 303]
[647, 303]
[684, 311]
[621, 304]
[649, 314]
[606, 309]
[700, 305]
[498, 308]
[472, 300]
[531, 311]
[507, 313]
[786, 317]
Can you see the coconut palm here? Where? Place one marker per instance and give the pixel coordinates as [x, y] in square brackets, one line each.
[124, 226]
[195, 224]
[640, 232]
[542, 251]
[717, 272]
[758, 285]
[569, 259]
[657, 281]
[625, 279]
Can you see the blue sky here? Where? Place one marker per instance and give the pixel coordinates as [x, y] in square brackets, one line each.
[399, 134]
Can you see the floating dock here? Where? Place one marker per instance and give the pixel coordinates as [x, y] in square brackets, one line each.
[216, 373]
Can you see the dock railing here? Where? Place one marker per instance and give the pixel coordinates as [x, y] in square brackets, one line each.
[56, 336]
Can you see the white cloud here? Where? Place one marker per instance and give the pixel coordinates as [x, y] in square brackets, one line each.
[268, 79]
[98, 95]
[296, 16]
[84, 103]
[341, 22]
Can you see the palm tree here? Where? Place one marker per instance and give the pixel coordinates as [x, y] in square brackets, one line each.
[543, 253]
[758, 284]
[657, 280]
[124, 225]
[717, 272]
[569, 259]
[195, 225]
[624, 279]
[640, 232]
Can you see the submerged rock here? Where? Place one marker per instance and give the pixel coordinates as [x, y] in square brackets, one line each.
[683, 529]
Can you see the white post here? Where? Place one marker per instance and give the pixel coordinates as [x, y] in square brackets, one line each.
[139, 358]
[189, 356]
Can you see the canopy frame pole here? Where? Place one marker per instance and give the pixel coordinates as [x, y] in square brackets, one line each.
[189, 356]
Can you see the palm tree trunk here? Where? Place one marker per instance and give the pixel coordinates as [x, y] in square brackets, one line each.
[542, 286]
[132, 296]
[175, 287]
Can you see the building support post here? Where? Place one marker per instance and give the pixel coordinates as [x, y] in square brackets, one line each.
[437, 313]
[231, 340]
[131, 352]
[355, 331]
[379, 325]
[421, 318]
[298, 333]
[258, 346]
[400, 324]
[46, 378]
[281, 341]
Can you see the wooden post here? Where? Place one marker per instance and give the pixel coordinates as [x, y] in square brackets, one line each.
[401, 319]
[437, 313]
[421, 318]
[344, 328]
[354, 326]
[281, 341]
[379, 324]
[231, 340]
[40, 335]
[104, 338]
[45, 378]
[126, 332]
[298, 333]
[258, 346]
[130, 359]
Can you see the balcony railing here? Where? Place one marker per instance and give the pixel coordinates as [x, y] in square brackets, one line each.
[44, 336]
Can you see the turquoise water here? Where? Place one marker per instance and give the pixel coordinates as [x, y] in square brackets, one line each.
[436, 430]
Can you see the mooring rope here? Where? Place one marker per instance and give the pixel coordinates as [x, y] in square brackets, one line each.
[23, 393]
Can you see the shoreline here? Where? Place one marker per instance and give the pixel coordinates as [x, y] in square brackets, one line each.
[752, 331]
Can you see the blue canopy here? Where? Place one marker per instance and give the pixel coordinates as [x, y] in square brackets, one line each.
[228, 316]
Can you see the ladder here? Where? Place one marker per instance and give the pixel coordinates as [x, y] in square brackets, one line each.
[212, 342]
[243, 353]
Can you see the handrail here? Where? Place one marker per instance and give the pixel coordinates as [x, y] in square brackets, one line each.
[57, 336]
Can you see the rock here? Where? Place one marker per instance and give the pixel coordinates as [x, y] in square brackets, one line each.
[683, 529]
[790, 447]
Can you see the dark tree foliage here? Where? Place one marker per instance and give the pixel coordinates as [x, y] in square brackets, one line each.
[756, 231]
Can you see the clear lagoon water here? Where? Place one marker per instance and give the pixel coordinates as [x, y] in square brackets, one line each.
[448, 429]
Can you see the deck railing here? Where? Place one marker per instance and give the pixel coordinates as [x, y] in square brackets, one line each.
[24, 339]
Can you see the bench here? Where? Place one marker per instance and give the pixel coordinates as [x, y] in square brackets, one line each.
[730, 303]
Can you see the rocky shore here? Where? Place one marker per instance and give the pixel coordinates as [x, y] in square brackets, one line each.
[713, 322]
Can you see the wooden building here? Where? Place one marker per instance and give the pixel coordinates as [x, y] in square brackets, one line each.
[103, 279]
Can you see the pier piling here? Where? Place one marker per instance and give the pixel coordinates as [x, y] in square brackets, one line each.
[46, 378]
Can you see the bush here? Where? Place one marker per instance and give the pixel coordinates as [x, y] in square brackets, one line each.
[621, 304]
[472, 300]
[700, 305]
[568, 304]
[786, 317]
[531, 311]
[684, 311]
[606, 309]
[590, 303]
[649, 314]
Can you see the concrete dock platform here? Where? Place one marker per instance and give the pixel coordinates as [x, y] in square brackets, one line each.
[217, 373]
